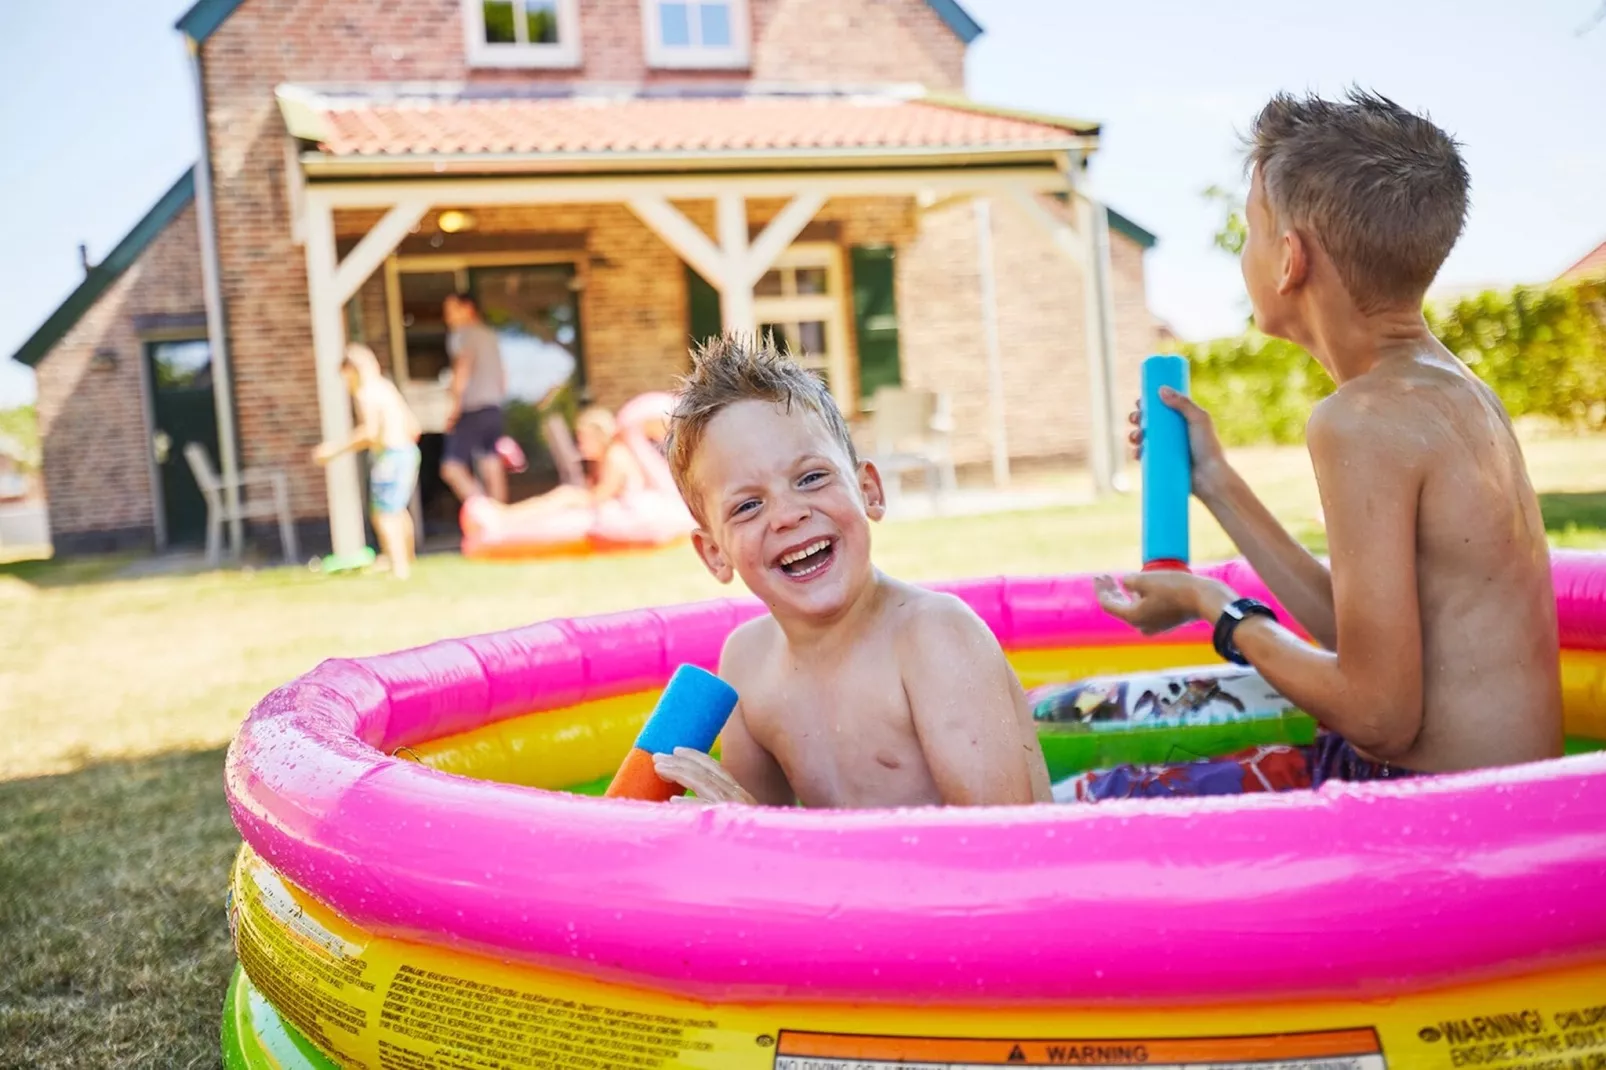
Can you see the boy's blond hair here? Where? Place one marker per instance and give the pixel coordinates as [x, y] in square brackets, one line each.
[729, 369]
[1384, 191]
[600, 418]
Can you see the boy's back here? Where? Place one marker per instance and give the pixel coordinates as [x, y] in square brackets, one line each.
[1491, 682]
[1436, 620]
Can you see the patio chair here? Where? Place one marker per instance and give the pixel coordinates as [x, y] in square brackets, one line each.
[213, 488]
[910, 431]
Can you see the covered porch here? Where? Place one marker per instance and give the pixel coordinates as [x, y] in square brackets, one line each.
[753, 194]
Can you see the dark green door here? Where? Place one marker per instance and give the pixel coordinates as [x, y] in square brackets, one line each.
[702, 309]
[875, 319]
[184, 411]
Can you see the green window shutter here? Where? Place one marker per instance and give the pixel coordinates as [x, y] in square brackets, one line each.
[702, 308]
[875, 318]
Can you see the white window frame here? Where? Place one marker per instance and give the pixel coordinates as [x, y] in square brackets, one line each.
[697, 57]
[830, 308]
[481, 53]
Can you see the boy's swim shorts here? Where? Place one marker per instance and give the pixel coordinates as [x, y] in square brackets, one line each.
[391, 477]
[1265, 768]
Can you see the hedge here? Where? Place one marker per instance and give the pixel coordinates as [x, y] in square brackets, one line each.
[1541, 349]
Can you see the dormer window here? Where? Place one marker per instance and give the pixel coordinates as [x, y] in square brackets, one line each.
[697, 34]
[522, 33]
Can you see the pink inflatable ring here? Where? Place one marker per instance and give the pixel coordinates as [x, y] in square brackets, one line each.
[394, 907]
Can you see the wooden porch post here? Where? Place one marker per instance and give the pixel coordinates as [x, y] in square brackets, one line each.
[1105, 455]
[334, 403]
[734, 265]
[330, 284]
[736, 288]
[989, 321]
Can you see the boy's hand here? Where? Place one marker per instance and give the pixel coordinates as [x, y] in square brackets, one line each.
[1209, 459]
[699, 773]
[323, 454]
[1155, 602]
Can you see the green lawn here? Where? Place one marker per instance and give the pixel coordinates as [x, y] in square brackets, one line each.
[118, 695]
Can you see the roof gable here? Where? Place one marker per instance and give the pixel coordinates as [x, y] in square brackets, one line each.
[1122, 225]
[1593, 263]
[202, 20]
[100, 277]
[393, 123]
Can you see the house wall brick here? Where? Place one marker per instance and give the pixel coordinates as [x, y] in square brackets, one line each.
[1136, 330]
[1042, 343]
[793, 41]
[92, 421]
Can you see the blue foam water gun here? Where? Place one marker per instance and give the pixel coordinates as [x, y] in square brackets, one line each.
[1167, 467]
[691, 712]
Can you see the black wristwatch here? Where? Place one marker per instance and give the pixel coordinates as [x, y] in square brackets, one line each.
[1228, 622]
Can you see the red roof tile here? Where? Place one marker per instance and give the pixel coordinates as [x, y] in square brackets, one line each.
[1593, 263]
[358, 127]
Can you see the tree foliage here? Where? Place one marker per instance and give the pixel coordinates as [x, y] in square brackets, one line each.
[1541, 349]
[20, 427]
[1234, 229]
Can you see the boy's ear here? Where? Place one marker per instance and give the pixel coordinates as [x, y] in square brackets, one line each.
[713, 558]
[875, 495]
[1296, 262]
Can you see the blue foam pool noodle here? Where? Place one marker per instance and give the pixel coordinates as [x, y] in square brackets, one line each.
[691, 712]
[1167, 466]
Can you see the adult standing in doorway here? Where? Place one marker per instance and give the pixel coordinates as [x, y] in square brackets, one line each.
[470, 464]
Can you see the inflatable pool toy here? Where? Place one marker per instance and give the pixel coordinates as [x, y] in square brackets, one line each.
[649, 413]
[650, 517]
[454, 906]
[1167, 467]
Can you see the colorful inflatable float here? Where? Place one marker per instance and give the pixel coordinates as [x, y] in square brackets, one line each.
[648, 517]
[424, 885]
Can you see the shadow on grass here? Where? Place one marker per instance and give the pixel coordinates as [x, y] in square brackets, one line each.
[65, 572]
[112, 926]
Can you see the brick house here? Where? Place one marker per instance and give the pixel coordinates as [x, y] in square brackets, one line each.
[616, 177]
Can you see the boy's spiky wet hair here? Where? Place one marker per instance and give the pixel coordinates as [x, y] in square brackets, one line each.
[728, 369]
[1384, 190]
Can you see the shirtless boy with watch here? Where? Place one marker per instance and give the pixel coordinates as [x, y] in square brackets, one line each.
[1436, 619]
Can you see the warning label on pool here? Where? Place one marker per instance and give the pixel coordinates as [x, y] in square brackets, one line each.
[1351, 1049]
[1523, 1039]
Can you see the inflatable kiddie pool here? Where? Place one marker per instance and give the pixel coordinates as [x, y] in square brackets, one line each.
[650, 517]
[416, 889]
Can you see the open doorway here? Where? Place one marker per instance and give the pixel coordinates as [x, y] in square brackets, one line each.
[534, 308]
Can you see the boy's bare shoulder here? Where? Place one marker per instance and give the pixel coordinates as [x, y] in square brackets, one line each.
[1356, 409]
[936, 620]
[749, 644]
[1405, 410]
[1368, 419]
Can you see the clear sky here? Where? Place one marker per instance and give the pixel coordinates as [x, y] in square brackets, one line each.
[97, 121]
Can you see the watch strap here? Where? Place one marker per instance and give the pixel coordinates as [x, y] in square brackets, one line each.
[1227, 624]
